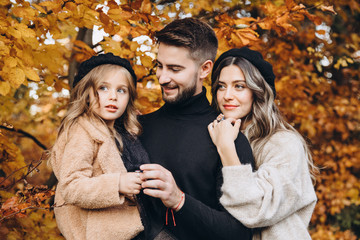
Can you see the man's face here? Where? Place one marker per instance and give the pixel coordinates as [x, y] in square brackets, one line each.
[178, 74]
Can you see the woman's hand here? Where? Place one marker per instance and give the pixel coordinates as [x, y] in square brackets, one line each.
[130, 183]
[223, 134]
[225, 131]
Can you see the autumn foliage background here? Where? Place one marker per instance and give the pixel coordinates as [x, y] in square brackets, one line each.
[313, 46]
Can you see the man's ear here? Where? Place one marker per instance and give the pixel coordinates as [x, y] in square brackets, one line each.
[206, 68]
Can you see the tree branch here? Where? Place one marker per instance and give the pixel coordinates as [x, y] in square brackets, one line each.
[22, 210]
[30, 168]
[26, 134]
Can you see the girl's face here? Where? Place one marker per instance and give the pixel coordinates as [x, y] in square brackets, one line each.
[114, 96]
[233, 96]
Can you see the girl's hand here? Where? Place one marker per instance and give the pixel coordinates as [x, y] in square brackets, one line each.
[130, 183]
[224, 132]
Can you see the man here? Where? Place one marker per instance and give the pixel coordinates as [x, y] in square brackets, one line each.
[184, 178]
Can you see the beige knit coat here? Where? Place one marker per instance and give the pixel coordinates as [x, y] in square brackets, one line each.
[279, 197]
[88, 204]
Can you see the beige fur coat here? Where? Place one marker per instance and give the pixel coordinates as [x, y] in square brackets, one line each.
[88, 204]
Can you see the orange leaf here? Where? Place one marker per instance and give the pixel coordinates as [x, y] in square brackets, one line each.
[266, 24]
[328, 9]
[140, 71]
[10, 203]
[290, 4]
[71, 6]
[145, 7]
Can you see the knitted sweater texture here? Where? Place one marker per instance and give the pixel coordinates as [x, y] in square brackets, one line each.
[278, 199]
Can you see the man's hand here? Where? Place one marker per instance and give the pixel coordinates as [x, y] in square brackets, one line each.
[130, 183]
[158, 182]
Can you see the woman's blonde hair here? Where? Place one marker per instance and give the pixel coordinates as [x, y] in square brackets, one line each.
[80, 104]
[265, 118]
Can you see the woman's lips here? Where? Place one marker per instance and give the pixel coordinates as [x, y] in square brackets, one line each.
[229, 107]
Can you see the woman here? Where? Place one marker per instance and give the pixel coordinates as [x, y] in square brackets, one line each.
[278, 198]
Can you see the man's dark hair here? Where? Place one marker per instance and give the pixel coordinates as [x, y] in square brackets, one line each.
[193, 34]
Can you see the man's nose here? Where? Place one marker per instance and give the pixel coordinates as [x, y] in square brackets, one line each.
[163, 76]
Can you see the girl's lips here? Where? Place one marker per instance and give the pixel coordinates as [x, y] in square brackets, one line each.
[111, 108]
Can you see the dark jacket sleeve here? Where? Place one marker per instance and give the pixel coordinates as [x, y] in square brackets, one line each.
[208, 223]
[244, 151]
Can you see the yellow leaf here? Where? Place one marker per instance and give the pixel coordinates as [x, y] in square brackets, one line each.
[349, 60]
[13, 32]
[31, 74]
[4, 88]
[24, 12]
[25, 31]
[4, 2]
[318, 66]
[134, 46]
[50, 79]
[16, 77]
[64, 15]
[146, 61]
[119, 14]
[4, 49]
[10, 62]
[39, 8]
[50, 5]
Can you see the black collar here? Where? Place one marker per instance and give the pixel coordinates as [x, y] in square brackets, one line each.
[195, 105]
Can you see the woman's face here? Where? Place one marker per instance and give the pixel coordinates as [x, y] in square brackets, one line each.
[233, 96]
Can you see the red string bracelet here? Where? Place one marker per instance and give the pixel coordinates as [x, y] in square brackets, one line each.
[172, 210]
[182, 197]
[173, 217]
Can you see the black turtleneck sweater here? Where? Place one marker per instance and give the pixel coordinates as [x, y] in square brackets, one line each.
[176, 137]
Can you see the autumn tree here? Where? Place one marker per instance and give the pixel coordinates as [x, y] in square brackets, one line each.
[313, 46]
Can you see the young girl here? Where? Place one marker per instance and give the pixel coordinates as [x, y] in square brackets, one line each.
[278, 198]
[95, 194]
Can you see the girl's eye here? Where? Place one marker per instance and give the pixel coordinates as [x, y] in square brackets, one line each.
[103, 88]
[121, 90]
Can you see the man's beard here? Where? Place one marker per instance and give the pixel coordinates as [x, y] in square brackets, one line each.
[182, 95]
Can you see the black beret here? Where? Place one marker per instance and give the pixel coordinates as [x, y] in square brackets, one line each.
[253, 57]
[108, 58]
